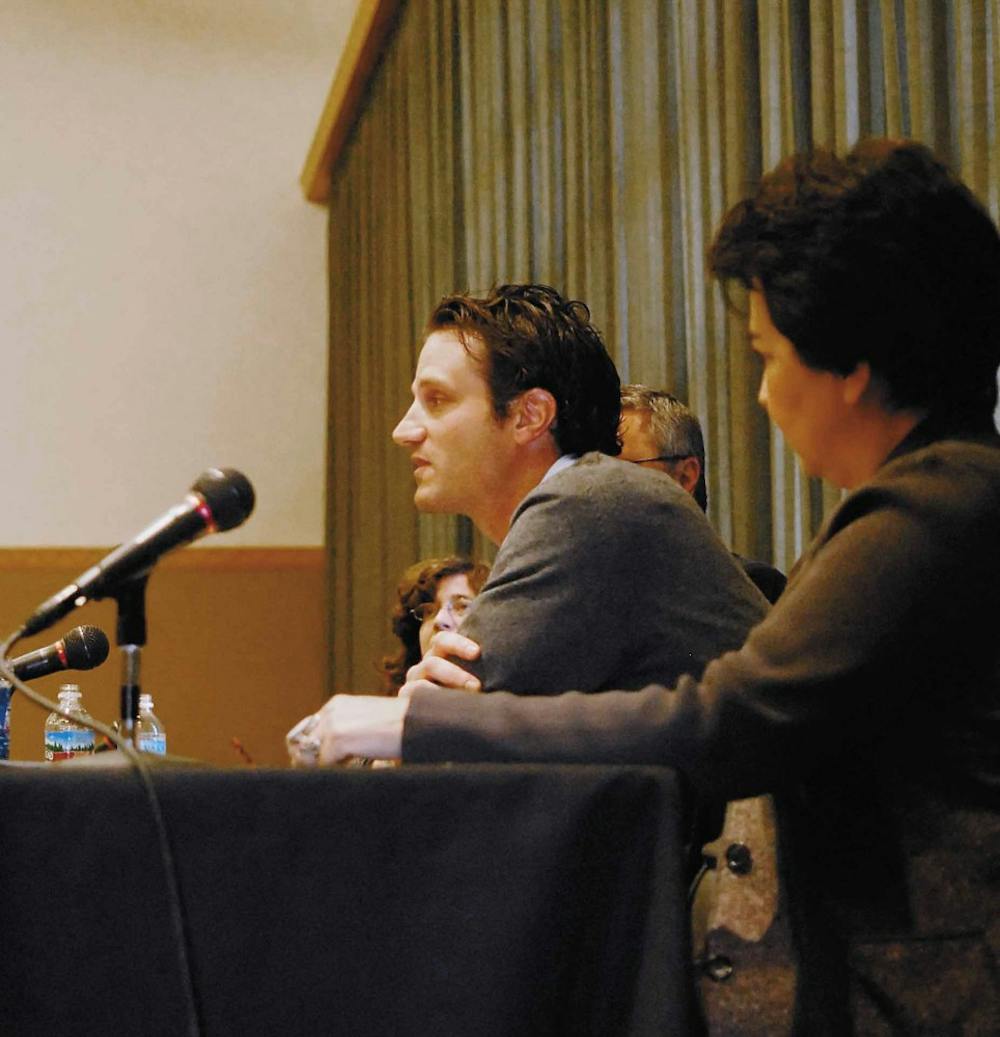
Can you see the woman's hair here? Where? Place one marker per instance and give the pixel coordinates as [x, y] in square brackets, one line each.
[418, 585]
[882, 256]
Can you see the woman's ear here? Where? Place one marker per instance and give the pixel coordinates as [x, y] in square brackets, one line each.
[535, 414]
[857, 383]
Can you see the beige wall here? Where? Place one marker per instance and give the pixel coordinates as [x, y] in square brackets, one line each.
[163, 309]
[162, 296]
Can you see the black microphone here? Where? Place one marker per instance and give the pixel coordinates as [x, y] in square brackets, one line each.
[82, 648]
[220, 499]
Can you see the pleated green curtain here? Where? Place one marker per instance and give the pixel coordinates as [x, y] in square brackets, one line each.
[594, 145]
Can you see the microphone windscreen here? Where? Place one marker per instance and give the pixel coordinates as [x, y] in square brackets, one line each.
[228, 494]
[86, 647]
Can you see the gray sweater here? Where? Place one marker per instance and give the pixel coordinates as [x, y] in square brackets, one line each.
[610, 577]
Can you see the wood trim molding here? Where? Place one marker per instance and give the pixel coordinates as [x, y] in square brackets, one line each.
[373, 21]
[204, 559]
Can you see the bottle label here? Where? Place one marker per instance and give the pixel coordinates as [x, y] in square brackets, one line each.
[5, 693]
[153, 744]
[64, 745]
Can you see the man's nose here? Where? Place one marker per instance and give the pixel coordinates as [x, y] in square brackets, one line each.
[762, 393]
[409, 430]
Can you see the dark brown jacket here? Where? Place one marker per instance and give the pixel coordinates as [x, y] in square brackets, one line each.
[868, 705]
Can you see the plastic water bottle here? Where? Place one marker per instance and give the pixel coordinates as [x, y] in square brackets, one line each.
[152, 736]
[64, 738]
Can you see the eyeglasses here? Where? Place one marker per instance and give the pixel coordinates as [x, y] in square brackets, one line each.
[662, 457]
[457, 606]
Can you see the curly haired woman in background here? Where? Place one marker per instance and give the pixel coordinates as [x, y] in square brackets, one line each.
[432, 595]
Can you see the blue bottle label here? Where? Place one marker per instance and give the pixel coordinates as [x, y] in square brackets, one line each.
[5, 693]
[153, 744]
[63, 745]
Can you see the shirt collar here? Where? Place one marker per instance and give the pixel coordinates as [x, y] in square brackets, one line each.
[559, 464]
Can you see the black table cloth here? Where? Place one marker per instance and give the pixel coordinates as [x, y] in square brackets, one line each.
[474, 900]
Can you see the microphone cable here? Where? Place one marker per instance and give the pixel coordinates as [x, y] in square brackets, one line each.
[178, 915]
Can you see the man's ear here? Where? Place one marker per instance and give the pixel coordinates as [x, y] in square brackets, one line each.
[687, 472]
[534, 413]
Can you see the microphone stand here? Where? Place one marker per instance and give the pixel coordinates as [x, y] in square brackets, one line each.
[131, 630]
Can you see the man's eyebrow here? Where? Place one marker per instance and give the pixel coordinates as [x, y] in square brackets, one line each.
[431, 381]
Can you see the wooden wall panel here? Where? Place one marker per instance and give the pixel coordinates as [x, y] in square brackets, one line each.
[236, 645]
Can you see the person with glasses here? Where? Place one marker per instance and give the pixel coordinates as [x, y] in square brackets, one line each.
[432, 595]
[660, 433]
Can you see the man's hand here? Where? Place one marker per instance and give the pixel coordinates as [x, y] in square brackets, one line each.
[349, 726]
[438, 665]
